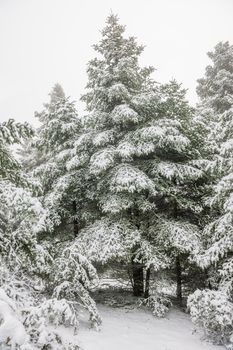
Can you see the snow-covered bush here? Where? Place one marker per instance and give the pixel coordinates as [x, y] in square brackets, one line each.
[213, 312]
[158, 304]
[28, 322]
[73, 277]
[41, 322]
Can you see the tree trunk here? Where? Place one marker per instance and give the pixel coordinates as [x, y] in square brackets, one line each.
[75, 221]
[207, 281]
[147, 283]
[137, 268]
[137, 276]
[178, 281]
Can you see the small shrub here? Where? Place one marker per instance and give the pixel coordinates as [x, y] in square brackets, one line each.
[158, 304]
[213, 312]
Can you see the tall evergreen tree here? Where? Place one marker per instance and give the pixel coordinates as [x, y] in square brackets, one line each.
[212, 308]
[176, 171]
[141, 150]
[71, 274]
[59, 128]
[25, 317]
[216, 94]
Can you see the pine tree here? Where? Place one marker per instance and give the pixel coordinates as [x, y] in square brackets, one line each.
[30, 249]
[55, 140]
[41, 287]
[62, 198]
[212, 309]
[215, 89]
[21, 254]
[141, 151]
[117, 89]
[216, 94]
[177, 171]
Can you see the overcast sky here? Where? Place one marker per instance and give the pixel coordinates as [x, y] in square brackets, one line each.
[47, 41]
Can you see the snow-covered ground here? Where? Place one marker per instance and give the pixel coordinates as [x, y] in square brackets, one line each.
[126, 329]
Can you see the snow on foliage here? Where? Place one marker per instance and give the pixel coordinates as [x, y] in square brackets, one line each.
[130, 179]
[216, 97]
[22, 217]
[11, 133]
[73, 277]
[102, 160]
[182, 236]
[124, 114]
[141, 152]
[179, 172]
[109, 240]
[213, 312]
[158, 304]
[29, 322]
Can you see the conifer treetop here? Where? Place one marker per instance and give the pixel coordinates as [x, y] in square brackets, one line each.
[216, 88]
[56, 94]
[115, 76]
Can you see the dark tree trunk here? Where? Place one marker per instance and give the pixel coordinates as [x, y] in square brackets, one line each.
[178, 267]
[207, 281]
[137, 268]
[178, 281]
[147, 283]
[137, 276]
[75, 221]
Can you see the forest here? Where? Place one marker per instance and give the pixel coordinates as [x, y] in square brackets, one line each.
[129, 203]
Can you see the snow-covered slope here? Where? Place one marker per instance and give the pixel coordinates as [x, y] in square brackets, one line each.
[135, 329]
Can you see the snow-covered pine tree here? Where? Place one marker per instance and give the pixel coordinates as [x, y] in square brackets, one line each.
[219, 232]
[175, 169]
[71, 274]
[30, 154]
[215, 89]
[216, 94]
[142, 155]
[23, 258]
[39, 291]
[59, 128]
[117, 89]
[61, 167]
[32, 265]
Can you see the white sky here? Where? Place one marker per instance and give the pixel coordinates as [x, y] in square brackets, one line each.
[47, 41]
